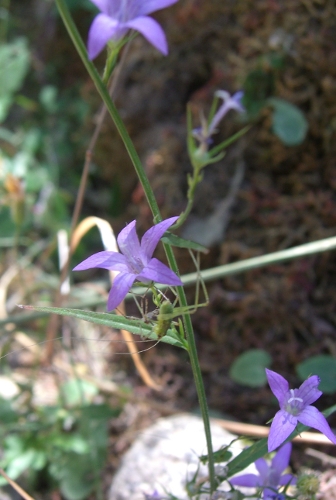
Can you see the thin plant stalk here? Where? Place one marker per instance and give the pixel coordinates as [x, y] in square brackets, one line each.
[53, 322]
[72, 30]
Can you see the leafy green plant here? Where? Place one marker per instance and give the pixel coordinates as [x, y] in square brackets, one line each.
[68, 443]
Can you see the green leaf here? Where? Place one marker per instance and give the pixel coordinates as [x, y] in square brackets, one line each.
[324, 366]
[230, 140]
[249, 368]
[111, 320]
[219, 456]
[176, 241]
[22, 462]
[5, 104]
[77, 475]
[289, 123]
[78, 392]
[71, 442]
[247, 457]
[258, 86]
[7, 414]
[99, 412]
[14, 64]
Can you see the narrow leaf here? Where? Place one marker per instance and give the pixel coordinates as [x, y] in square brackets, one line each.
[176, 241]
[132, 325]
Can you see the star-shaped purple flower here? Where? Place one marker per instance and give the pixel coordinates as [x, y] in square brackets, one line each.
[229, 102]
[270, 476]
[295, 406]
[135, 262]
[203, 134]
[119, 16]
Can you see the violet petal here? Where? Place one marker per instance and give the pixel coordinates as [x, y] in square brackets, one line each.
[112, 261]
[152, 237]
[278, 385]
[128, 242]
[102, 29]
[151, 30]
[282, 426]
[148, 6]
[308, 391]
[263, 469]
[312, 417]
[281, 459]
[286, 479]
[248, 480]
[160, 273]
[102, 5]
[122, 284]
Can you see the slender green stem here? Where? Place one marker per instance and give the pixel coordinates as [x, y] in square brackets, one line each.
[267, 259]
[103, 91]
[4, 19]
[193, 182]
[72, 30]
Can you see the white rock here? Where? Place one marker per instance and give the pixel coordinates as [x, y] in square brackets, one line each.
[165, 457]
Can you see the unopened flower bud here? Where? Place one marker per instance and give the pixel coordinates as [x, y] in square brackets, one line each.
[308, 485]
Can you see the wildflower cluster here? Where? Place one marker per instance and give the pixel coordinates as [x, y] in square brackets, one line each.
[135, 261]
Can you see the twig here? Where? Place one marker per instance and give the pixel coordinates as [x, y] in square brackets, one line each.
[16, 487]
[326, 459]
[263, 431]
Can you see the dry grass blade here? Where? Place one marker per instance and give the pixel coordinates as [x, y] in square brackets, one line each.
[263, 431]
[16, 487]
[110, 243]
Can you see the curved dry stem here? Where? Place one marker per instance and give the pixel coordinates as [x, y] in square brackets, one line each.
[109, 242]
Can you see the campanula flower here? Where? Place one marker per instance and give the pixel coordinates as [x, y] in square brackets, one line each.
[117, 17]
[295, 406]
[229, 102]
[135, 262]
[204, 133]
[270, 476]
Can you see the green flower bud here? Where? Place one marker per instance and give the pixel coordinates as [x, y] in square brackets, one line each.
[308, 485]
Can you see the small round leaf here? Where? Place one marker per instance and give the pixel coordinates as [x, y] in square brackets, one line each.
[289, 123]
[324, 366]
[249, 368]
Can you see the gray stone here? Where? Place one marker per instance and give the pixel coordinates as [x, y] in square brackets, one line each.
[165, 456]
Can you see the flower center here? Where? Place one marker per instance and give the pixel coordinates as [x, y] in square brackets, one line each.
[136, 264]
[128, 10]
[294, 404]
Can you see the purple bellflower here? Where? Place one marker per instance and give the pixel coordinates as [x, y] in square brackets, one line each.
[135, 262]
[204, 133]
[229, 102]
[119, 16]
[270, 476]
[295, 406]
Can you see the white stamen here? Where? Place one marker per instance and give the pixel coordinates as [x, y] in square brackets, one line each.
[293, 398]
